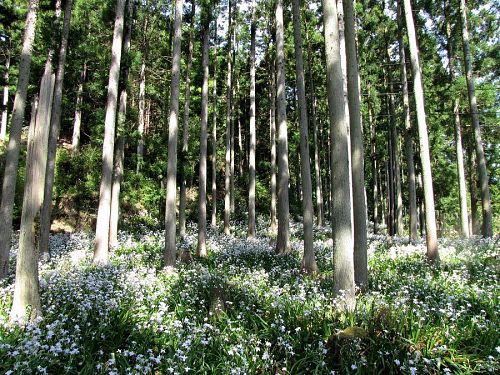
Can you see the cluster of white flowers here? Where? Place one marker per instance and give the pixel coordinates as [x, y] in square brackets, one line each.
[132, 317]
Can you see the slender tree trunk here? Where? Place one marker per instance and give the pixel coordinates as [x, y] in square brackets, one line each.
[395, 179]
[474, 222]
[120, 139]
[229, 97]
[214, 138]
[202, 203]
[5, 101]
[142, 101]
[283, 241]
[308, 261]
[320, 216]
[232, 175]
[170, 247]
[141, 119]
[102, 227]
[185, 130]
[357, 152]
[412, 192]
[117, 174]
[482, 172]
[373, 148]
[430, 216]
[253, 138]
[55, 124]
[26, 304]
[464, 216]
[77, 123]
[241, 154]
[462, 191]
[343, 58]
[391, 206]
[13, 147]
[26, 291]
[342, 211]
[272, 122]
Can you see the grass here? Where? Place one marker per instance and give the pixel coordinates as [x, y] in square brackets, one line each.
[244, 310]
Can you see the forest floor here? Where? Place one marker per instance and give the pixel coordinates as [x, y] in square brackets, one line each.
[245, 310]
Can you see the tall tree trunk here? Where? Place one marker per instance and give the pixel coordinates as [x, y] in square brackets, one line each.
[142, 100]
[430, 216]
[12, 155]
[320, 216]
[77, 123]
[395, 179]
[117, 174]
[412, 192]
[389, 165]
[102, 227]
[339, 133]
[283, 241]
[462, 191]
[241, 154]
[308, 261]
[343, 59]
[26, 303]
[120, 139]
[272, 122]
[373, 149]
[232, 140]
[55, 124]
[357, 152]
[474, 221]
[5, 100]
[253, 138]
[229, 97]
[214, 137]
[185, 130]
[464, 216]
[482, 172]
[202, 202]
[170, 247]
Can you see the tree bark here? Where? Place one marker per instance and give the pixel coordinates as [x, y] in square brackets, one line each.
[272, 122]
[202, 202]
[253, 138]
[5, 100]
[77, 123]
[55, 124]
[357, 152]
[214, 137]
[412, 192]
[102, 227]
[373, 149]
[229, 97]
[283, 241]
[308, 261]
[117, 174]
[320, 216]
[13, 147]
[462, 191]
[26, 303]
[482, 172]
[430, 216]
[170, 243]
[142, 100]
[474, 219]
[342, 211]
[120, 139]
[185, 130]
